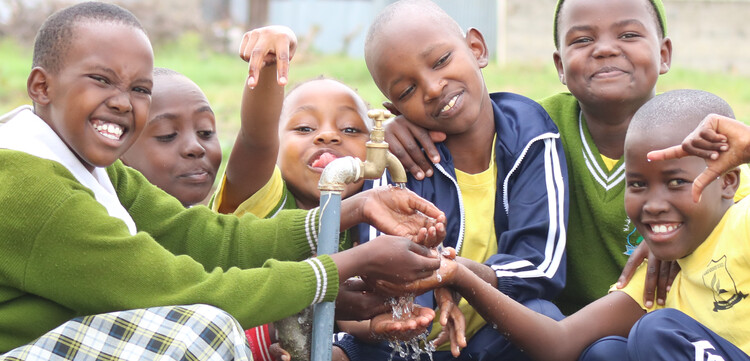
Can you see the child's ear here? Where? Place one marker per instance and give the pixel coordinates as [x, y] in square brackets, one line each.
[558, 64]
[730, 182]
[665, 56]
[391, 108]
[37, 86]
[478, 46]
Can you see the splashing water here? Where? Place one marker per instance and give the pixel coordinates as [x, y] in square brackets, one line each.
[402, 308]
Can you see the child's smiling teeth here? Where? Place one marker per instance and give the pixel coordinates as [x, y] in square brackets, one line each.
[450, 104]
[109, 130]
[664, 228]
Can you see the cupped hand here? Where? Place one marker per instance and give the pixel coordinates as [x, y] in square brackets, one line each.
[443, 276]
[397, 260]
[268, 45]
[402, 212]
[384, 326]
[357, 301]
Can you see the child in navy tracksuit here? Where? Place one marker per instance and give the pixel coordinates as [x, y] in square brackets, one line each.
[501, 180]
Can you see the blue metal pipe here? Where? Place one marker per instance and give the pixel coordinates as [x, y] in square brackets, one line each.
[330, 220]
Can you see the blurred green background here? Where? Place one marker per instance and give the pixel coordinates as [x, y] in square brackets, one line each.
[222, 76]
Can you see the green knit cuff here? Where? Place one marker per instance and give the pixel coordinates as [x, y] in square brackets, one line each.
[326, 278]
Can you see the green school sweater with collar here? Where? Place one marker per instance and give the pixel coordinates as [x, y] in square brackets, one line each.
[63, 256]
[599, 231]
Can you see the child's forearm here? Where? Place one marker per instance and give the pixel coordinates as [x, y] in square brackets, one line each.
[540, 336]
[254, 153]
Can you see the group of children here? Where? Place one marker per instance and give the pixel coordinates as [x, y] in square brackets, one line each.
[538, 203]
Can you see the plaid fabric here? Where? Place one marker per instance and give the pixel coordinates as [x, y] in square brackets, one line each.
[194, 332]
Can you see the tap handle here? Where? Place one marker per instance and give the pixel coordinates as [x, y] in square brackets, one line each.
[379, 116]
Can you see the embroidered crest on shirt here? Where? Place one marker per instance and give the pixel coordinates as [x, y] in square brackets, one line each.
[718, 278]
[630, 243]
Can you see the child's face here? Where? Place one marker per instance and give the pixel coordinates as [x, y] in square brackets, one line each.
[610, 51]
[659, 202]
[432, 75]
[321, 120]
[98, 102]
[178, 150]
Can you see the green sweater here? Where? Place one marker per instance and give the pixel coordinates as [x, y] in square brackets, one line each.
[63, 256]
[598, 228]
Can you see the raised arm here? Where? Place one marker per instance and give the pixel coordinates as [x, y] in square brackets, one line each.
[268, 51]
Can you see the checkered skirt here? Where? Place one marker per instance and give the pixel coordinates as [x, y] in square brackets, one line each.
[192, 332]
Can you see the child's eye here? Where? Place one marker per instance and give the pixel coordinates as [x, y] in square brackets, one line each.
[442, 60]
[406, 93]
[635, 185]
[674, 183]
[304, 129]
[142, 90]
[581, 41]
[206, 134]
[630, 35]
[100, 79]
[351, 130]
[166, 138]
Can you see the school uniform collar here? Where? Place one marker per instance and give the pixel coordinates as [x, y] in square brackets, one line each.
[24, 131]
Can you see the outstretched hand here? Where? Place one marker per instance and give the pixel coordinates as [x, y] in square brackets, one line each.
[384, 326]
[723, 142]
[402, 212]
[265, 46]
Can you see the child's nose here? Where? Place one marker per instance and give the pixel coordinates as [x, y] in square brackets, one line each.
[605, 47]
[655, 205]
[193, 148]
[433, 89]
[328, 136]
[120, 102]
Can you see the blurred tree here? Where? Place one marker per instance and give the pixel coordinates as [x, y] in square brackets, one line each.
[258, 15]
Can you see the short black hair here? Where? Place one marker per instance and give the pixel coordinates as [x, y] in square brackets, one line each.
[678, 111]
[56, 33]
[426, 7]
[166, 72]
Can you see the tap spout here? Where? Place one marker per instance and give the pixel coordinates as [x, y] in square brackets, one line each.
[340, 172]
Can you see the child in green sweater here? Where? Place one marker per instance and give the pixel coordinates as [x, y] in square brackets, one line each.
[83, 234]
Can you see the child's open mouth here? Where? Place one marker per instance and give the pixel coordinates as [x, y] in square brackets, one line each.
[663, 231]
[323, 160]
[108, 130]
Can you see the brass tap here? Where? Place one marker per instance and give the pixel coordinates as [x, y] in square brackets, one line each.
[378, 156]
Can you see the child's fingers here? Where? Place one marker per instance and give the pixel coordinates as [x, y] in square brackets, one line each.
[704, 179]
[673, 152]
[282, 60]
[652, 276]
[403, 145]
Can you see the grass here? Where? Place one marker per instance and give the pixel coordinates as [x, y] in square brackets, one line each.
[222, 76]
